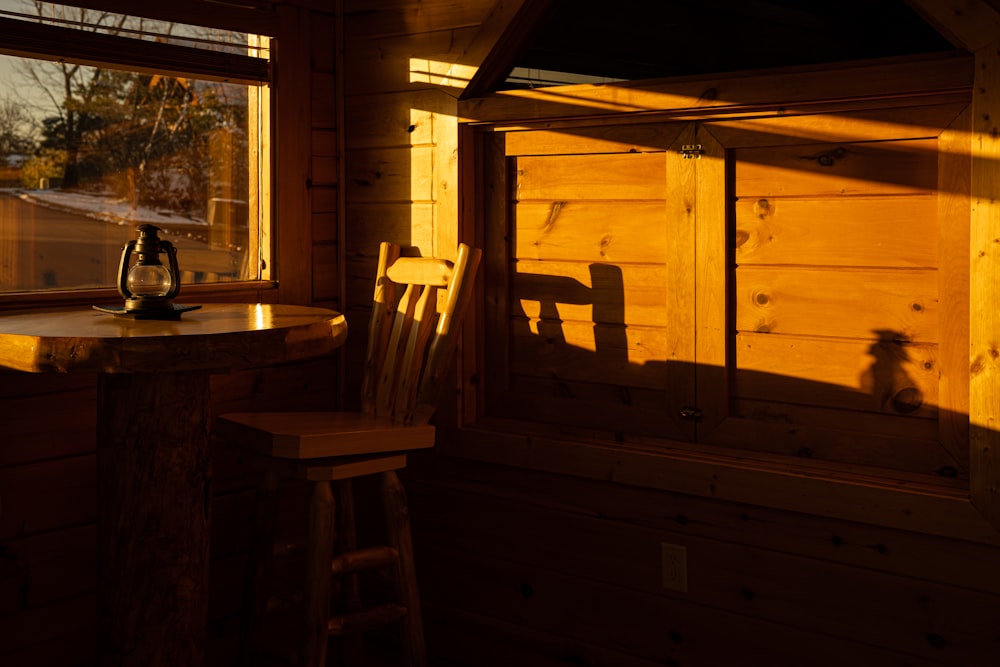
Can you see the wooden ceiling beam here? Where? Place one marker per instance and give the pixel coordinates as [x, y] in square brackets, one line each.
[968, 24]
[497, 45]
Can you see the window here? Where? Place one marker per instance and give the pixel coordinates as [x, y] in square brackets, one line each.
[785, 284]
[110, 121]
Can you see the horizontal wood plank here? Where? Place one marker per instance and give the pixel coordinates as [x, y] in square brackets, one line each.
[881, 376]
[853, 231]
[383, 64]
[599, 292]
[386, 17]
[632, 357]
[69, 498]
[879, 168]
[881, 498]
[612, 232]
[566, 553]
[871, 304]
[390, 175]
[918, 119]
[637, 138]
[630, 176]
[910, 554]
[396, 119]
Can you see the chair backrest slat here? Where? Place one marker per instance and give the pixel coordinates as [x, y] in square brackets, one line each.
[395, 349]
[412, 340]
[412, 363]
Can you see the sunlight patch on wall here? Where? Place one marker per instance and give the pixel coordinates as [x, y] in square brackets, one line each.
[441, 73]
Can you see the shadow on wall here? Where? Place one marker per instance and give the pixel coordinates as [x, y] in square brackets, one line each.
[884, 414]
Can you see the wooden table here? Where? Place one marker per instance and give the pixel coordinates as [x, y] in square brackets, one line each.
[154, 474]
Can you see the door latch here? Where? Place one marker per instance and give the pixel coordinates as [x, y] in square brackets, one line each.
[690, 413]
[691, 151]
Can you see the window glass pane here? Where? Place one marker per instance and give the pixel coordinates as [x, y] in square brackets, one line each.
[88, 153]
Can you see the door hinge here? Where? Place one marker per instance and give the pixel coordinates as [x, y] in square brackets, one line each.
[691, 151]
[690, 413]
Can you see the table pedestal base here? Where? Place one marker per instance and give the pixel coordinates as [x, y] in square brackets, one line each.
[154, 506]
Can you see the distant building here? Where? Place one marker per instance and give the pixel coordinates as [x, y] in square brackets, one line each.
[10, 169]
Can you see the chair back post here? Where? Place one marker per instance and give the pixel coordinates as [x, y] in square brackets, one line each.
[447, 333]
[379, 325]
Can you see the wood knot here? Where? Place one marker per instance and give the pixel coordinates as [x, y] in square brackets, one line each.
[827, 158]
[762, 208]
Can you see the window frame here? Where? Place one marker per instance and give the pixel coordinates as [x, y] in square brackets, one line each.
[55, 43]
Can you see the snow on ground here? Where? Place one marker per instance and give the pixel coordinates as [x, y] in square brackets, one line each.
[107, 208]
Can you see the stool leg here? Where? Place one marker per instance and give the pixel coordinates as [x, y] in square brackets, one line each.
[319, 554]
[347, 541]
[255, 591]
[398, 525]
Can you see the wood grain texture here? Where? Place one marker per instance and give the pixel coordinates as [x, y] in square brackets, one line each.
[898, 167]
[813, 301]
[954, 211]
[854, 374]
[217, 336]
[864, 230]
[543, 580]
[153, 518]
[984, 287]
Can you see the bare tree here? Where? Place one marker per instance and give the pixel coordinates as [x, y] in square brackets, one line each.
[17, 134]
[67, 85]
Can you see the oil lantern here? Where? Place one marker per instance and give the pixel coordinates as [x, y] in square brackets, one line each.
[148, 286]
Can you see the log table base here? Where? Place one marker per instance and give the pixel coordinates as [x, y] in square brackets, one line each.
[153, 517]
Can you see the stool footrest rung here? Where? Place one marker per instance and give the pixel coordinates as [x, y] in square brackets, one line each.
[365, 619]
[367, 558]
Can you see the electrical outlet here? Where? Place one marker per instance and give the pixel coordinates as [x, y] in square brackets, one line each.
[674, 558]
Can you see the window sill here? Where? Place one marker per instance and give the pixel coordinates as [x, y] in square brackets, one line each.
[915, 503]
[264, 291]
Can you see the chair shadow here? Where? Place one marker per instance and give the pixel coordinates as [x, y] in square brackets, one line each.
[885, 389]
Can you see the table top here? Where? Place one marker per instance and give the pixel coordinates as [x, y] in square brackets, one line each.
[216, 337]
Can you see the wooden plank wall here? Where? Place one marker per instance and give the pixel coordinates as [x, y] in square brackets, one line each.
[400, 159]
[541, 569]
[48, 422]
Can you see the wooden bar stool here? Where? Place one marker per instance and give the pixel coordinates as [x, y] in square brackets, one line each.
[411, 341]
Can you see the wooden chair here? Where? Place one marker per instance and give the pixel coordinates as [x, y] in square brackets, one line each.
[411, 341]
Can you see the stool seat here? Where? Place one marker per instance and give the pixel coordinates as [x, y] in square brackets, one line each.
[313, 435]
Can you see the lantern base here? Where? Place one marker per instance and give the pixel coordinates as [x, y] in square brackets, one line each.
[171, 312]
